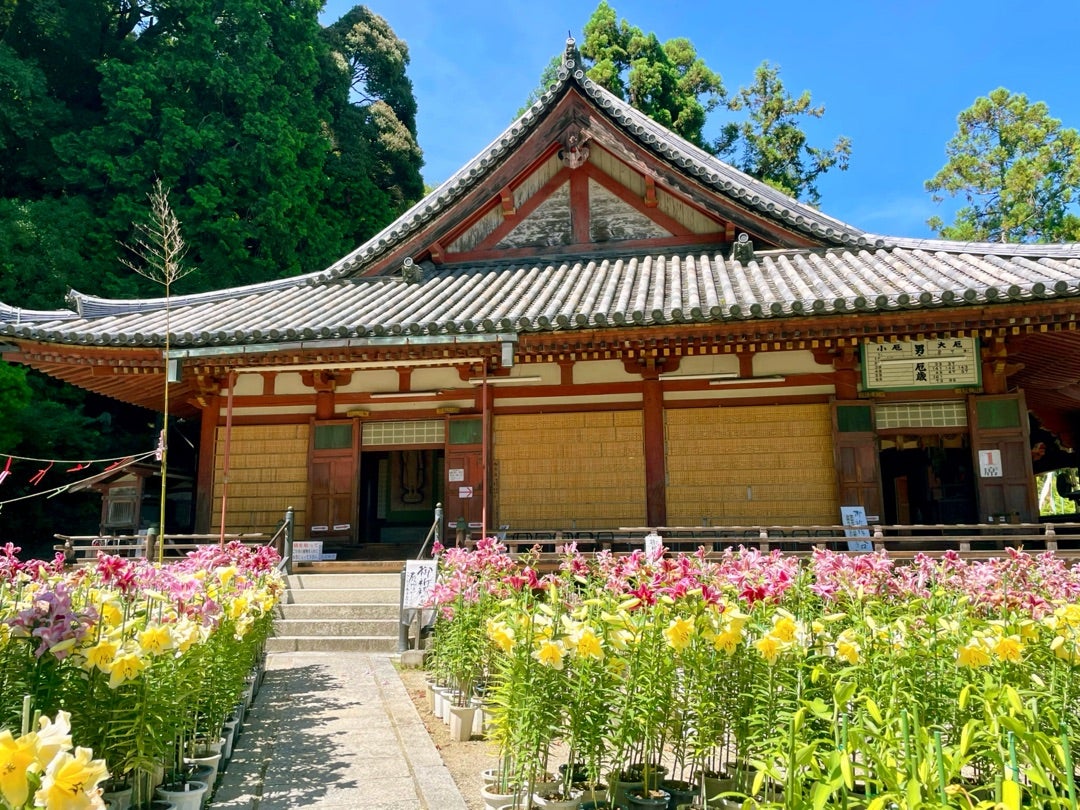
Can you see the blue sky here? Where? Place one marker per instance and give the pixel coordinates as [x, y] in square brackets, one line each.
[892, 75]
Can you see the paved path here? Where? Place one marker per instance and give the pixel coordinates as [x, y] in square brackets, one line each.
[334, 730]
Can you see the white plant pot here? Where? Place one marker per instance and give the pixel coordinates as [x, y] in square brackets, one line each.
[478, 718]
[213, 762]
[118, 799]
[190, 798]
[461, 722]
[438, 701]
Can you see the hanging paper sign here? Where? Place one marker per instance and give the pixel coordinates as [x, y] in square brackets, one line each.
[910, 364]
[990, 464]
[455, 474]
[419, 583]
[856, 516]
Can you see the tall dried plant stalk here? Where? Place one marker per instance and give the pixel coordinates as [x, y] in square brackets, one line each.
[158, 248]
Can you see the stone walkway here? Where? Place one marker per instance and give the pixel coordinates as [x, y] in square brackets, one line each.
[334, 730]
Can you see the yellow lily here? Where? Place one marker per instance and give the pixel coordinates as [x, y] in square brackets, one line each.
[71, 782]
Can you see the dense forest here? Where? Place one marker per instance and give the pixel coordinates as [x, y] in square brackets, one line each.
[285, 143]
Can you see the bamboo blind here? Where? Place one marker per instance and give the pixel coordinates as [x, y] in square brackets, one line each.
[268, 472]
[586, 467]
[751, 465]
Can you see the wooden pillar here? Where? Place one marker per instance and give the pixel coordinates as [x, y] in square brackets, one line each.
[655, 465]
[204, 484]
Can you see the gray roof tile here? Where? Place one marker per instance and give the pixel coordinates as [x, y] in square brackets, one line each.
[598, 292]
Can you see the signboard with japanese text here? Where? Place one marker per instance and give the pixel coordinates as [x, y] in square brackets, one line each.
[990, 464]
[913, 364]
[419, 583]
[307, 550]
[856, 516]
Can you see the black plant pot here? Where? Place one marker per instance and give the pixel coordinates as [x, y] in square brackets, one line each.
[655, 800]
[680, 792]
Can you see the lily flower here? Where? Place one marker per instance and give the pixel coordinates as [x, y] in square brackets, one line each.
[71, 782]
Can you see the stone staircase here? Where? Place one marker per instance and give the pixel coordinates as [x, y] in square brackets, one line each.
[332, 612]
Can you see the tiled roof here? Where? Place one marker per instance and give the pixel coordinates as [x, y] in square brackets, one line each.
[587, 294]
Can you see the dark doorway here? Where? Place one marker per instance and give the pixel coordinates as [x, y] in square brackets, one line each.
[928, 479]
[397, 496]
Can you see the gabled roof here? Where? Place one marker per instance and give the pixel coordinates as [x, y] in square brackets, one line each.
[674, 150]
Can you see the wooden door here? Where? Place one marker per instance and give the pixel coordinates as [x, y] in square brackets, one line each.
[332, 481]
[858, 471]
[464, 488]
[1001, 453]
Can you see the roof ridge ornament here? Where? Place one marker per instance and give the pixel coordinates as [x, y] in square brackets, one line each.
[575, 151]
[743, 250]
[573, 55]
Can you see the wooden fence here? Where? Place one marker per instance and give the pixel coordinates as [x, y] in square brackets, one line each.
[84, 548]
[900, 540]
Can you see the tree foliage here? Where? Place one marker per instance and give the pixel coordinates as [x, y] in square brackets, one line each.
[1017, 169]
[284, 144]
[770, 143]
[669, 82]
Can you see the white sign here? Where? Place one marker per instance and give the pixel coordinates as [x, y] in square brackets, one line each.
[856, 516]
[654, 544]
[341, 527]
[935, 363]
[307, 550]
[455, 474]
[419, 582]
[990, 464]
[464, 492]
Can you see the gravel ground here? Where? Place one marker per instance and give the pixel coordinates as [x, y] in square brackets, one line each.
[464, 760]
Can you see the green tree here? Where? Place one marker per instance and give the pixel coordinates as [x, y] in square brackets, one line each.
[374, 164]
[15, 397]
[671, 84]
[770, 143]
[668, 82]
[1017, 169]
[219, 103]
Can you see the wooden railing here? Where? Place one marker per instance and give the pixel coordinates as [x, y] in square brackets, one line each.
[83, 548]
[900, 540]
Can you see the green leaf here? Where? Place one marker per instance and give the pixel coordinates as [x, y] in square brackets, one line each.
[875, 712]
[820, 795]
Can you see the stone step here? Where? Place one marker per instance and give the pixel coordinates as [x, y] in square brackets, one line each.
[289, 628]
[383, 644]
[336, 610]
[322, 581]
[344, 596]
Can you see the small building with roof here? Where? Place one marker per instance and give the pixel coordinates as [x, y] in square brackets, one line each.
[596, 324]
